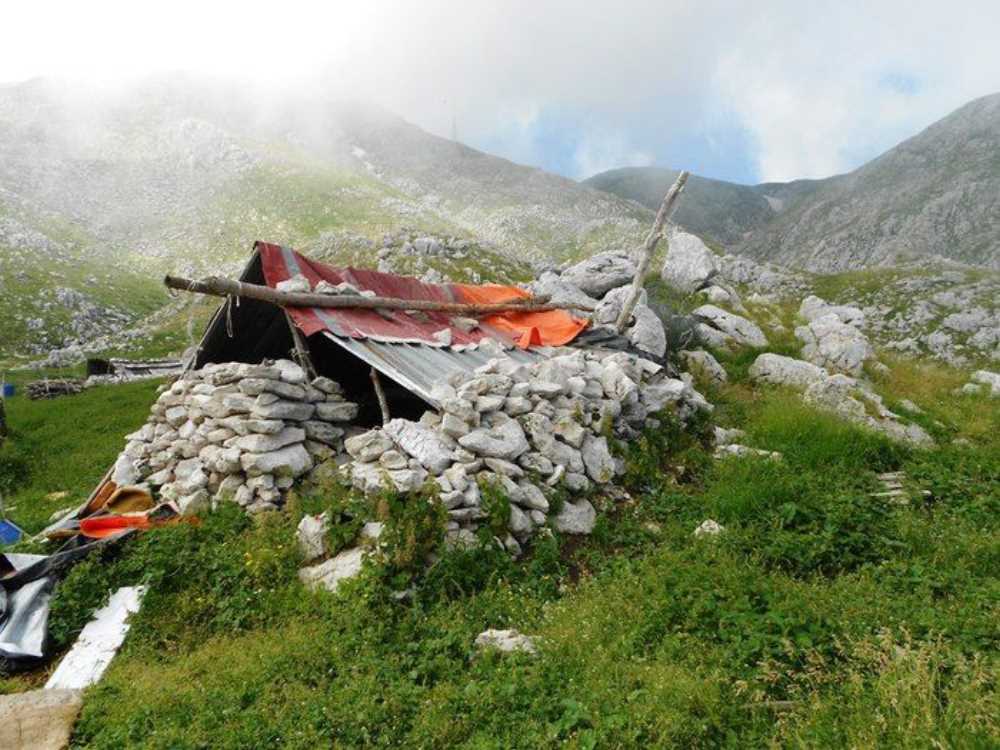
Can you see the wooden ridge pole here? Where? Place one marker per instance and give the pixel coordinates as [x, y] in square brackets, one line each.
[666, 209]
[220, 287]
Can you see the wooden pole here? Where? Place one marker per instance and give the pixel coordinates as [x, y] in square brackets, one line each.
[225, 288]
[301, 348]
[383, 403]
[666, 209]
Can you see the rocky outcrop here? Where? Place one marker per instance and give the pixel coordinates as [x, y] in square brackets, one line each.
[724, 329]
[599, 274]
[779, 370]
[834, 345]
[852, 400]
[689, 264]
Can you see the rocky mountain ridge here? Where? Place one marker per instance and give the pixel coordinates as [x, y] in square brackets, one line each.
[933, 194]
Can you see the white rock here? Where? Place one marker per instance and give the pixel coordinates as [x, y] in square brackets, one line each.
[781, 370]
[709, 528]
[336, 411]
[368, 446]
[423, 443]
[296, 284]
[268, 443]
[329, 574]
[597, 459]
[292, 460]
[507, 441]
[576, 518]
[703, 365]
[834, 345]
[506, 641]
[689, 264]
[732, 327]
[601, 273]
[987, 378]
[312, 536]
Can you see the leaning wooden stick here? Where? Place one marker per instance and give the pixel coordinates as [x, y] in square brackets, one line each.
[666, 208]
[383, 403]
[226, 288]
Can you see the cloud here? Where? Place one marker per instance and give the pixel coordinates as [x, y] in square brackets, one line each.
[812, 89]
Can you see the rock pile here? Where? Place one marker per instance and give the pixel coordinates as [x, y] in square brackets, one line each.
[847, 397]
[524, 429]
[832, 338]
[235, 432]
[602, 282]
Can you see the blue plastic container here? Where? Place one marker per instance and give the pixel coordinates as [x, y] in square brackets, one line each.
[8, 390]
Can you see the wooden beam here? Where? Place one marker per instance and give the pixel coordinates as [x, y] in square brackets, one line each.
[301, 348]
[383, 403]
[666, 209]
[225, 288]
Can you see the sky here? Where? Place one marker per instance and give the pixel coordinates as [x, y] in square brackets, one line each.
[748, 92]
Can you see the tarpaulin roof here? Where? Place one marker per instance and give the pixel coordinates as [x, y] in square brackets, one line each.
[551, 328]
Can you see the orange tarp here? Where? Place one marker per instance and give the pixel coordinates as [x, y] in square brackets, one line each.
[551, 328]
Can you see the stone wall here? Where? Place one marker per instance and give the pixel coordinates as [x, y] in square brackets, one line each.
[525, 429]
[236, 432]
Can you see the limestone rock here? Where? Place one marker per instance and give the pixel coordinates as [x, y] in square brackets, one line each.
[704, 366]
[601, 273]
[597, 459]
[781, 370]
[506, 641]
[312, 536]
[368, 446]
[731, 327]
[506, 441]
[689, 264]
[576, 518]
[329, 574]
[292, 460]
[423, 443]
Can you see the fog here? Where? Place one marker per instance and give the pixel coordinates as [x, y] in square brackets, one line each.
[750, 92]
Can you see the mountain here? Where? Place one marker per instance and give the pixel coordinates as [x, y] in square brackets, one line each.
[102, 190]
[937, 193]
[716, 210]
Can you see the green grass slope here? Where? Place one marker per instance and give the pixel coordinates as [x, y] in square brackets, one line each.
[820, 618]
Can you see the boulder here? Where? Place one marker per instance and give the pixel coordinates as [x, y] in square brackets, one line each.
[506, 641]
[597, 459]
[709, 527]
[689, 264]
[506, 441]
[560, 291]
[268, 443]
[728, 327]
[780, 370]
[989, 379]
[704, 366]
[601, 273]
[292, 460]
[312, 536]
[814, 307]
[834, 345]
[368, 446]
[423, 443]
[576, 518]
[329, 574]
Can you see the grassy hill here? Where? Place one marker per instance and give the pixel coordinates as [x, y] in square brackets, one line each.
[110, 189]
[821, 617]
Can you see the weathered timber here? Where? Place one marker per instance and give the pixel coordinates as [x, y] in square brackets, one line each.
[225, 288]
[383, 402]
[652, 240]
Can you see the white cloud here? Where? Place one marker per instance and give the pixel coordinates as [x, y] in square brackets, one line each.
[600, 152]
[805, 80]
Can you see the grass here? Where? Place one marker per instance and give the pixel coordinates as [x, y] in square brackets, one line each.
[58, 449]
[819, 618]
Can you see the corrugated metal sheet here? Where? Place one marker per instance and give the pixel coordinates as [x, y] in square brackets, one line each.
[419, 368]
[395, 326]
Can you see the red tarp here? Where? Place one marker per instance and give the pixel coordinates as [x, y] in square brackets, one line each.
[553, 328]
